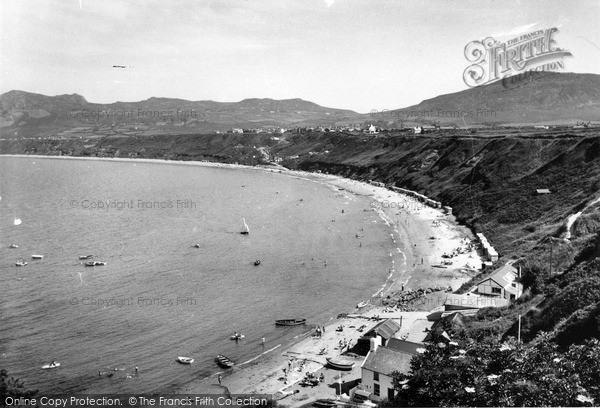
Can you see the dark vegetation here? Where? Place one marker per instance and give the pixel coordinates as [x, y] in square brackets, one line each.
[12, 387]
[476, 373]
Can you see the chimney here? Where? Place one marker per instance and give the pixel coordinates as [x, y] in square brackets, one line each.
[375, 342]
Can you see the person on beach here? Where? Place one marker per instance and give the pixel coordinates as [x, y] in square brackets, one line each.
[136, 369]
[220, 378]
[262, 341]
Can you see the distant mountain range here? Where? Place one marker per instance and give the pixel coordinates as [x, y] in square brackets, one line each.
[541, 98]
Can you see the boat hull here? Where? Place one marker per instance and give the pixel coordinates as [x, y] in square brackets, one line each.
[224, 361]
[340, 365]
[185, 360]
[290, 322]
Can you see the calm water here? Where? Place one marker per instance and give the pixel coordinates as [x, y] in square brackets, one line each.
[163, 297]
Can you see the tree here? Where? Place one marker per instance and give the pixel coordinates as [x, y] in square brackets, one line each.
[12, 387]
[501, 374]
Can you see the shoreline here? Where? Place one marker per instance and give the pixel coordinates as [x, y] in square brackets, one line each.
[411, 230]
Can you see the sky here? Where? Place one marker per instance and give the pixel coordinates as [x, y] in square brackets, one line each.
[349, 54]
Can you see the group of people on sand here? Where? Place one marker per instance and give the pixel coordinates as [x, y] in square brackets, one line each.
[320, 330]
[344, 344]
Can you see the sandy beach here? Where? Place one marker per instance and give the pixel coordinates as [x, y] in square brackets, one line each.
[435, 253]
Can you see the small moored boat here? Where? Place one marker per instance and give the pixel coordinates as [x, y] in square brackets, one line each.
[51, 365]
[362, 304]
[224, 361]
[37, 256]
[86, 257]
[340, 364]
[257, 262]
[185, 360]
[290, 322]
[20, 263]
[13, 246]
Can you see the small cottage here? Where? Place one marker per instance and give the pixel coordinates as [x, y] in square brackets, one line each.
[502, 283]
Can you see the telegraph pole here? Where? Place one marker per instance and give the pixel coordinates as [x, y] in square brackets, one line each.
[551, 248]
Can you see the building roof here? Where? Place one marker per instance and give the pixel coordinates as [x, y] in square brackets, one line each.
[503, 276]
[455, 320]
[385, 361]
[404, 346]
[439, 331]
[385, 329]
[471, 301]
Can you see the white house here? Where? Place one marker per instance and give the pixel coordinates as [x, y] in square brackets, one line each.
[372, 129]
[502, 283]
[381, 362]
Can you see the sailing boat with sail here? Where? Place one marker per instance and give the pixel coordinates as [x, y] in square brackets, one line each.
[245, 230]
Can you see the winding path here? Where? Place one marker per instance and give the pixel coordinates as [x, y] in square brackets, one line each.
[573, 217]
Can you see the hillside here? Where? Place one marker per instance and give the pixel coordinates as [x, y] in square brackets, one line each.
[543, 97]
[546, 98]
[25, 114]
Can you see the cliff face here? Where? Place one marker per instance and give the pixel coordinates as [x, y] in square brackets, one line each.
[490, 182]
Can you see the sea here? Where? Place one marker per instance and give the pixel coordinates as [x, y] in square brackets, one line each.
[179, 278]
